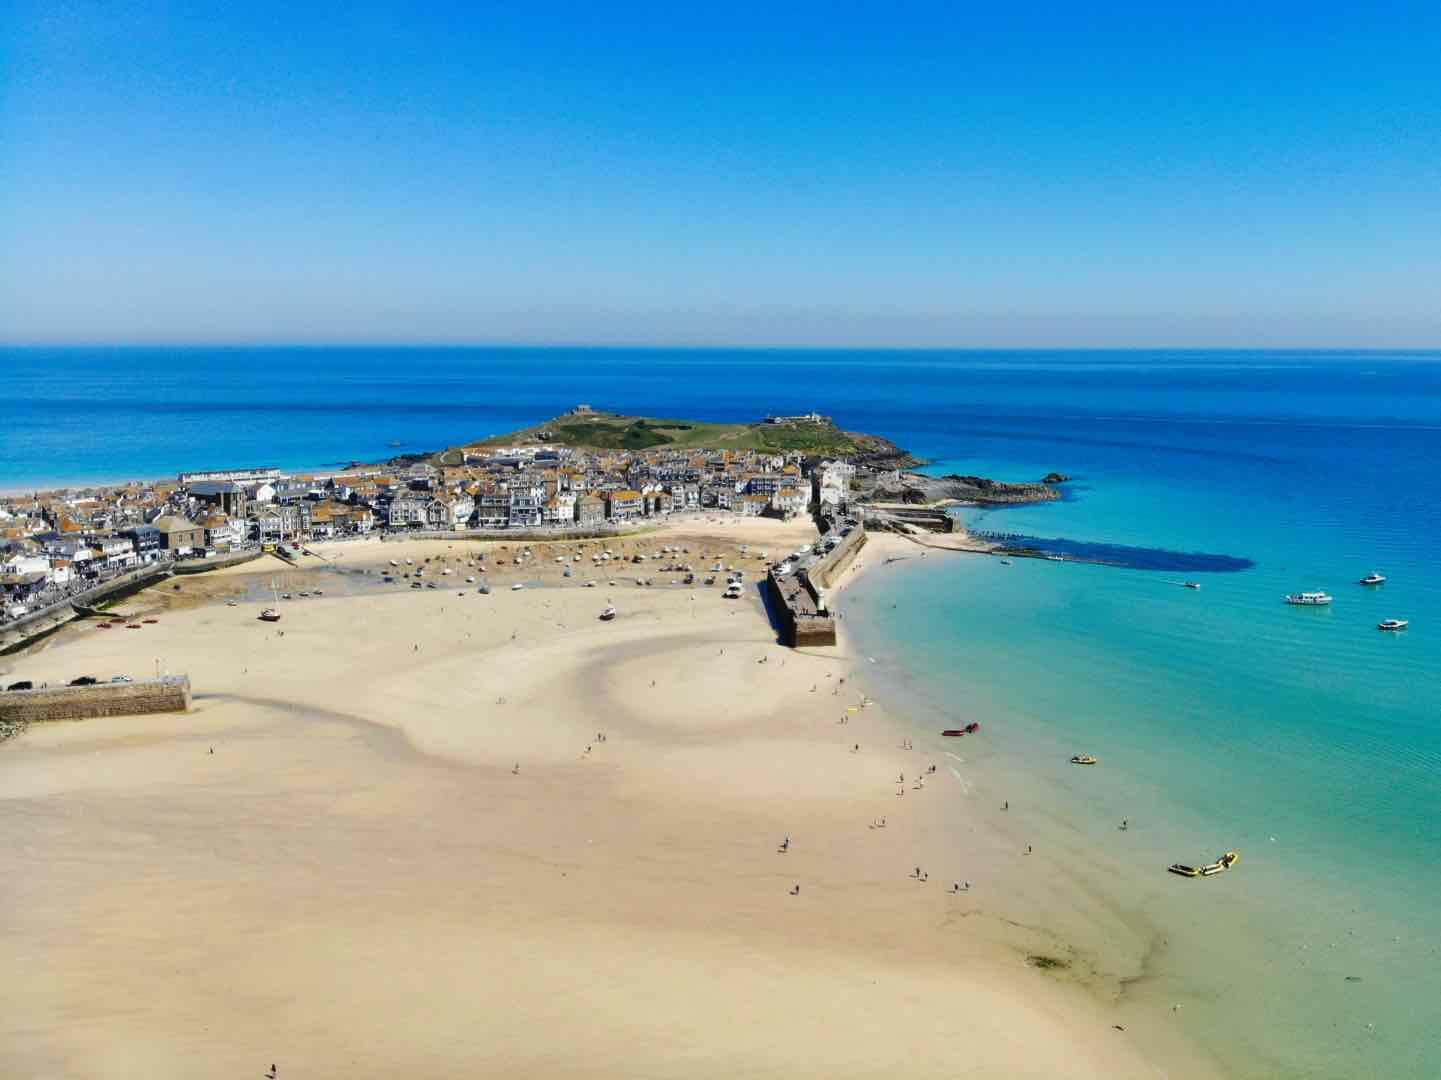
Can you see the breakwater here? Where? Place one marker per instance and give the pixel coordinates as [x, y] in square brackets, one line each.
[52, 703]
[799, 595]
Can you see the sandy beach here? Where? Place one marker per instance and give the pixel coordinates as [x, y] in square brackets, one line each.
[435, 833]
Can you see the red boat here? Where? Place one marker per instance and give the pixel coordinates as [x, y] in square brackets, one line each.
[972, 728]
[953, 731]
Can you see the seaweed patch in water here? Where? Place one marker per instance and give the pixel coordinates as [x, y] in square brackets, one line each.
[1123, 555]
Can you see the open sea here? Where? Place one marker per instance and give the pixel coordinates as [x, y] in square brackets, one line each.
[1224, 719]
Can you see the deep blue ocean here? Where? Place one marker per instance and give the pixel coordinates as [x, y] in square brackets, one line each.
[1224, 719]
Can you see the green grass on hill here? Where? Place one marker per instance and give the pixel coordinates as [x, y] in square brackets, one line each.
[607, 432]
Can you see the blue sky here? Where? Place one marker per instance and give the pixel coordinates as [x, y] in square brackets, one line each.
[906, 174]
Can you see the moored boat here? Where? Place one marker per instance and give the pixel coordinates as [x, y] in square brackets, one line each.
[1373, 578]
[1082, 759]
[1308, 599]
[270, 615]
[1393, 624]
[607, 614]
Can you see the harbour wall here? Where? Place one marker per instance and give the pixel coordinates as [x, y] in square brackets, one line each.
[799, 599]
[215, 562]
[167, 694]
[828, 571]
[16, 632]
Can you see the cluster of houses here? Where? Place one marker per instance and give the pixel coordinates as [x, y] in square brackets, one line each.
[56, 544]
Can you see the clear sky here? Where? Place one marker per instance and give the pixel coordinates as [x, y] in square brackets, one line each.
[782, 173]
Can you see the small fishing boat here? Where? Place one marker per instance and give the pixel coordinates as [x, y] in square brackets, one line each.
[394, 562]
[470, 579]
[1082, 759]
[607, 614]
[1373, 578]
[1191, 584]
[517, 587]
[231, 603]
[1308, 599]
[270, 615]
[1393, 624]
[1005, 562]
[972, 727]
[484, 590]
[1225, 862]
[590, 584]
[416, 585]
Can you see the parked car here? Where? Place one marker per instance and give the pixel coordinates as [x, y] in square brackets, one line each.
[84, 680]
[23, 684]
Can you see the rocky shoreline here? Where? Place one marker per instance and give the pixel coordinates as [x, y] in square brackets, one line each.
[916, 489]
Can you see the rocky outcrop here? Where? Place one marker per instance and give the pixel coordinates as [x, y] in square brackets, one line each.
[918, 490]
[1055, 478]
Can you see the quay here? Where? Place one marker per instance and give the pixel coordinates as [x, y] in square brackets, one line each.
[53, 703]
[798, 591]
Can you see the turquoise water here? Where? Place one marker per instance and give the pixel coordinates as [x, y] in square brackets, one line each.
[1223, 718]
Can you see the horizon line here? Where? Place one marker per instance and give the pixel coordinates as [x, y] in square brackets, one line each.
[694, 347]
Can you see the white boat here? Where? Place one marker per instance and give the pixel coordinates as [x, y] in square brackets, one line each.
[1373, 578]
[394, 562]
[470, 580]
[270, 615]
[607, 614]
[517, 587]
[1393, 624]
[1191, 584]
[1309, 599]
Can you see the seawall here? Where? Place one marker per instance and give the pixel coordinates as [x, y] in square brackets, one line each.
[799, 596]
[168, 694]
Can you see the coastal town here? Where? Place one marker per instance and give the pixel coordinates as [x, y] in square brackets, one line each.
[74, 545]
[55, 546]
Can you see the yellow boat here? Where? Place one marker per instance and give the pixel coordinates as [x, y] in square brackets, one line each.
[1083, 759]
[1225, 862]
